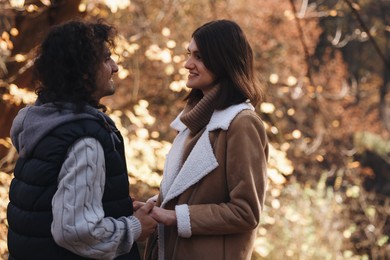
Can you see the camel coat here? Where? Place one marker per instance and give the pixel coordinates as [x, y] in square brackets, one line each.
[218, 192]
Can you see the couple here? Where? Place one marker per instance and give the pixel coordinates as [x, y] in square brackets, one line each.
[70, 199]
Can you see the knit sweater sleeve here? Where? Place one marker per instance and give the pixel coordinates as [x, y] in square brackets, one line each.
[78, 223]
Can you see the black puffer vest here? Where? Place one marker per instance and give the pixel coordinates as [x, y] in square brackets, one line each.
[29, 212]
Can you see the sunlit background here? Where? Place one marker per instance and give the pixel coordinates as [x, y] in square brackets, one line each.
[325, 69]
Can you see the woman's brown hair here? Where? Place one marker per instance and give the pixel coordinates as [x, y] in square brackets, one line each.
[226, 53]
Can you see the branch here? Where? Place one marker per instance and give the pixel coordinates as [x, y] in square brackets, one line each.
[304, 45]
[366, 30]
[336, 40]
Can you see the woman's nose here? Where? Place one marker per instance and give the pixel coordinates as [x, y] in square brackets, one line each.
[188, 64]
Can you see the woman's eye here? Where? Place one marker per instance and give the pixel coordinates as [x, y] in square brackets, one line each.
[195, 54]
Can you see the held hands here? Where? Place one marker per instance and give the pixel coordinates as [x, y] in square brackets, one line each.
[163, 216]
[142, 212]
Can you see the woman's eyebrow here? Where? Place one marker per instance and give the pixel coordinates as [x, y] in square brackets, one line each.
[194, 51]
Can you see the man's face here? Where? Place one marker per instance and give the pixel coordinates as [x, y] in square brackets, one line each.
[104, 83]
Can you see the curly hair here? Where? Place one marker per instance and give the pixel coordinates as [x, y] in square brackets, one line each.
[67, 62]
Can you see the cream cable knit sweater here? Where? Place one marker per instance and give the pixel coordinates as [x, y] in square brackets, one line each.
[79, 224]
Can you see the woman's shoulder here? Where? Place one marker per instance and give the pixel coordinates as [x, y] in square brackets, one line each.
[247, 119]
[247, 114]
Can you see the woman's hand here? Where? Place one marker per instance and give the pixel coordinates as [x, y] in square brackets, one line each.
[139, 204]
[164, 216]
[153, 199]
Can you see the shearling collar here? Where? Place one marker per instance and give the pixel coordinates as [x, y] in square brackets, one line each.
[220, 119]
[200, 161]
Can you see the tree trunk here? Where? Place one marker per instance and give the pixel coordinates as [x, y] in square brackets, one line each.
[32, 28]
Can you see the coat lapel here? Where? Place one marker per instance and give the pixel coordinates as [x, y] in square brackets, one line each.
[200, 161]
[172, 163]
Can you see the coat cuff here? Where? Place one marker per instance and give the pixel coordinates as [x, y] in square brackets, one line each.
[183, 220]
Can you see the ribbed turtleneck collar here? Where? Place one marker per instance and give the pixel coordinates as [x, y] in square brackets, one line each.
[197, 115]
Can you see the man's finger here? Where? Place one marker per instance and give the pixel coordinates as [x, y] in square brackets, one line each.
[137, 204]
[148, 206]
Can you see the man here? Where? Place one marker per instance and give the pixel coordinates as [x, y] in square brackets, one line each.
[69, 198]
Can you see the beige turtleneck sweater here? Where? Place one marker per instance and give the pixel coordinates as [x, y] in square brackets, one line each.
[196, 116]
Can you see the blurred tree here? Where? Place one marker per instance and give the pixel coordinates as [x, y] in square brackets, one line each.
[23, 25]
[360, 29]
[324, 81]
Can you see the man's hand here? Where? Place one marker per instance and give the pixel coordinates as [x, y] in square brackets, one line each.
[147, 222]
[137, 205]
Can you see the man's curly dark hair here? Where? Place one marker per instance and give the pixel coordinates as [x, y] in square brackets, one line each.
[67, 62]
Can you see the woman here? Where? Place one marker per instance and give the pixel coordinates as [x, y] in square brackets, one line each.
[214, 182]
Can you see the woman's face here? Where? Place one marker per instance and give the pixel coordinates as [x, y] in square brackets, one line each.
[199, 76]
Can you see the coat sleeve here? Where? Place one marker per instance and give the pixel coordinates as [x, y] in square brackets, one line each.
[246, 177]
[79, 224]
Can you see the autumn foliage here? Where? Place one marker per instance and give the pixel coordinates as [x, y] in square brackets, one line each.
[325, 70]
